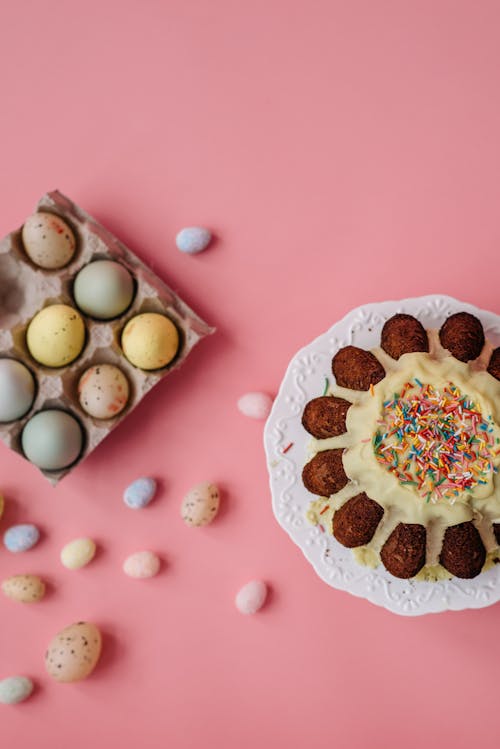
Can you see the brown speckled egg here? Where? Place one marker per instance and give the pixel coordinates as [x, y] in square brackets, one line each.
[48, 240]
[103, 391]
[24, 588]
[201, 504]
[73, 653]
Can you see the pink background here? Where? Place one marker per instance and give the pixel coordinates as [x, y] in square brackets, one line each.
[343, 152]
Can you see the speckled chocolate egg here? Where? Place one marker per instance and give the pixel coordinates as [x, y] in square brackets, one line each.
[74, 652]
[103, 391]
[56, 335]
[201, 504]
[52, 439]
[103, 289]
[48, 240]
[150, 341]
[17, 390]
[24, 588]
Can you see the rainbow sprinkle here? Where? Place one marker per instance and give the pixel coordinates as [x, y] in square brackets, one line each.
[436, 441]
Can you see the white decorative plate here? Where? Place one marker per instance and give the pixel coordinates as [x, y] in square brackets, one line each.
[304, 380]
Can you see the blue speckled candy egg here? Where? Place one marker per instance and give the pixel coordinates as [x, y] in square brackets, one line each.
[21, 537]
[193, 239]
[139, 493]
[15, 689]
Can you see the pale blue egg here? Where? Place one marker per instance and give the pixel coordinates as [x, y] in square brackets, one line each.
[139, 493]
[21, 537]
[193, 239]
[15, 689]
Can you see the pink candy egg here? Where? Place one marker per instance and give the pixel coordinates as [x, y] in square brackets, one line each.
[255, 405]
[141, 564]
[251, 597]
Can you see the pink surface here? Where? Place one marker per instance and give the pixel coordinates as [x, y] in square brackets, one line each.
[342, 153]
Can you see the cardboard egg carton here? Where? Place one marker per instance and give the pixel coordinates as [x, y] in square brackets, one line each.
[25, 289]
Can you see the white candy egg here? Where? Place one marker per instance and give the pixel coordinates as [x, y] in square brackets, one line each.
[141, 564]
[251, 597]
[103, 391]
[48, 240]
[201, 504]
[15, 689]
[255, 405]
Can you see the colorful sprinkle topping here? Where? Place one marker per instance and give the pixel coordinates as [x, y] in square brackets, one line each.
[436, 441]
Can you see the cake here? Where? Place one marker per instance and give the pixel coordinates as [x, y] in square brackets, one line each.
[405, 448]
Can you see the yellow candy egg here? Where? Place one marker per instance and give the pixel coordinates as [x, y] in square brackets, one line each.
[78, 553]
[73, 653]
[56, 335]
[2, 505]
[150, 340]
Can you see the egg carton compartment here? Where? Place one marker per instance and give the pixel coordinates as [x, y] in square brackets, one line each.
[26, 289]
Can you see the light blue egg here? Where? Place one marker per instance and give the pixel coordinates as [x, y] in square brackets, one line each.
[21, 537]
[193, 239]
[15, 689]
[139, 493]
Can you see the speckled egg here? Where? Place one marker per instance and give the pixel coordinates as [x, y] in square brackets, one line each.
[17, 390]
[56, 335]
[255, 405]
[15, 689]
[201, 504]
[139, 493]
[103, 391]
[103, 289]
[21, 537]
[78, 553]
[150, 341]
[48, 241]
[52, 439]
[74, 652]
[193, 239]
[251, 597]
[24, 588]
[141, 564]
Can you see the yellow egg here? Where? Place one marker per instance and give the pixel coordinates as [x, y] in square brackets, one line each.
[78, 553]
[73, 653]
[150, 340]
[56, 335]
[2, 505]
[24, 588]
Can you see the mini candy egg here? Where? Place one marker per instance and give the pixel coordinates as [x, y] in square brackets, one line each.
[139, 493]
[201, 504]
[141, 564]
[150, 340]
[103, 391]
[15, 689]
[48, 240]
[56, 335]
[2, 505]
[21, 537]
[255, 405]
[73, 653]
[193, 239]
[52, 439]
[17, 390]
[78, 553]
[103, 289]
[251, 597]
[24, 588]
